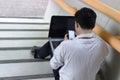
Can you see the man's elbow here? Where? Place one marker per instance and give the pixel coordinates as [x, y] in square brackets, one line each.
[53, 65]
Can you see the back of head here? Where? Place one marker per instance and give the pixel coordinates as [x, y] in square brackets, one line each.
[86, 18]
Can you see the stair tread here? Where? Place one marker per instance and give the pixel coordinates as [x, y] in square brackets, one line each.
[43, 79]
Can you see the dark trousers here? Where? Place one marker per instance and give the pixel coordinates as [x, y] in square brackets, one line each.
[43, 52]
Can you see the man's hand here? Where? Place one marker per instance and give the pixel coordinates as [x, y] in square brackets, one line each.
[66, 37]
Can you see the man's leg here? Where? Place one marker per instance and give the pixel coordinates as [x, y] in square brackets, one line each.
[41, 52]
[56, 73]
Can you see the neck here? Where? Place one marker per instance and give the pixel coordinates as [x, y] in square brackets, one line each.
[84, 31]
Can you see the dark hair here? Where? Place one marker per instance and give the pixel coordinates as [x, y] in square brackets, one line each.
[86, 18]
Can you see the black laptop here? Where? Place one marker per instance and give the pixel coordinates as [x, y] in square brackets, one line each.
[59, 26]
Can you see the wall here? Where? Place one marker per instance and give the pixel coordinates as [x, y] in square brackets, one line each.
[53, 9]
[111, 68]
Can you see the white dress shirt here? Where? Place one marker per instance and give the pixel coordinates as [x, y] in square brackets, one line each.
[80, 58]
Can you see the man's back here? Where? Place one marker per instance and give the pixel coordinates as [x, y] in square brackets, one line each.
[81, 57]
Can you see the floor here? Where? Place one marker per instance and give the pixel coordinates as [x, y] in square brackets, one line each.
[23, 8]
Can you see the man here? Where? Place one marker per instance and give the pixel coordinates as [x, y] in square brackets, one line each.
[81, 57]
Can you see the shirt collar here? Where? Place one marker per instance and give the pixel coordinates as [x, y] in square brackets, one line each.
[89, 35]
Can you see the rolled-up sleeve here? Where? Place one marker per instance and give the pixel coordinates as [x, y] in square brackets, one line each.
[58, 59]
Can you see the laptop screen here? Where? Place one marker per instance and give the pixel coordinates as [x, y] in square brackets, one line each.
[60, 25]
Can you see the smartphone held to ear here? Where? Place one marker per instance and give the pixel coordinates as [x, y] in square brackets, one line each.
[71, 34]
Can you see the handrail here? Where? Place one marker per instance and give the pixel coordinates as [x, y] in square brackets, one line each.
[109, 11]
[110, 39]
[118, 37]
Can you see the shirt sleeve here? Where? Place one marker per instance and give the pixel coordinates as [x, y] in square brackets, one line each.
[57, 59]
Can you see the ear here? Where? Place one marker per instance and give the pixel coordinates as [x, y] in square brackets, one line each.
[76, 24]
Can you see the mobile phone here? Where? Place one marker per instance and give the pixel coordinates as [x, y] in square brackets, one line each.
[71, 34]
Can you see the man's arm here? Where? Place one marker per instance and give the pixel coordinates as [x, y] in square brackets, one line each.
[57, 59]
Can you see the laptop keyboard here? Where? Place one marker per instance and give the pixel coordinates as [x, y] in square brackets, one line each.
[56, 43]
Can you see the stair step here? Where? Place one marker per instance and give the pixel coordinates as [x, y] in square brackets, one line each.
[30, 77]
[43, 79]
[23, 34]
[21, 43]
[24, 69]
[24, 26]
[15, 54]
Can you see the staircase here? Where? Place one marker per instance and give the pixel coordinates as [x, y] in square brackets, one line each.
[16, 61]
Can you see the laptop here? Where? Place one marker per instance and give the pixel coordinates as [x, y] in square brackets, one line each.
[59, 26]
